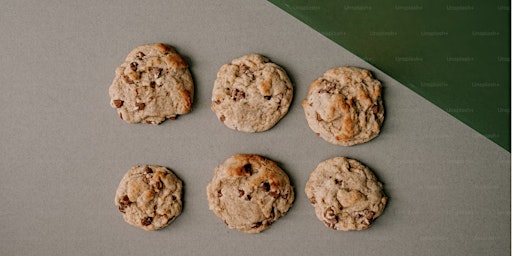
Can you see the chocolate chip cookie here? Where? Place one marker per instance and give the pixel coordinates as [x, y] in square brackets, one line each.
[153, 83]
[346, 195]
[149, 197]
[249, 193]
[251, 94]
[345, 106]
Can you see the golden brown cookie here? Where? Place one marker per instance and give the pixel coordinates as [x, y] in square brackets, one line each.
[249, 193]
[346, 194]
[149, 197]
[152, 84]
[251, 94]
[344, 106]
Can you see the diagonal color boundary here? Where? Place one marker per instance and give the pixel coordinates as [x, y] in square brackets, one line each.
[455, 55]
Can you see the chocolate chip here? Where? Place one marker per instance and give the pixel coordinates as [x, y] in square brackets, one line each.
[118, 103]
[241, 192]
[133, 66]
[140, 106]
[366, 216]
[238, 95]
[122, 208]
[159, 185]
[247, 169]
[148, 170]
[146, 221]
[248, 197]
[267, 97]
[222, 118]
[123, 204]
[265, 186]
[140, 55]
[219, 193]
[330, 216]
[318, 117]
[152, 84]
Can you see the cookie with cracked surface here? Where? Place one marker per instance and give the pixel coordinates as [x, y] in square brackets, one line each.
[249, 193]
[346, 194]
[345, 106]
[149, 197]
[251, 94]
[153, 83]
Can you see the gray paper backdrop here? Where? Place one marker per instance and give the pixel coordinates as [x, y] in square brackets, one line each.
[64, 150]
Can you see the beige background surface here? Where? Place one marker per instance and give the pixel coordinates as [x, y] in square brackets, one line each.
[64, 150]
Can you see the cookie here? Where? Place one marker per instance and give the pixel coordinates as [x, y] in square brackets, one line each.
[149, 197]
[344, 106]
[251, 94]
[346, 195]
[249, 193]
[153, 83]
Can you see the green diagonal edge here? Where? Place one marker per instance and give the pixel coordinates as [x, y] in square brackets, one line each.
[455, 54]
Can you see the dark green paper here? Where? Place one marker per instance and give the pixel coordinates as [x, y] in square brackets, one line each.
[455, 54]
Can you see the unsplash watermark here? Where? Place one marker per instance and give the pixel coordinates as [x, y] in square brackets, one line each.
[460, 8]
[383, 33]
[357, 8]
[503, 59]
[460, 110]
[304, 7]
[334, 33]
[409, 7]
[503, 110]
[492, 135]
[367, 58]
[460, 59]
[434, 33]
[434, 84]
[485, 84]
[408, 59]
[485, 33]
